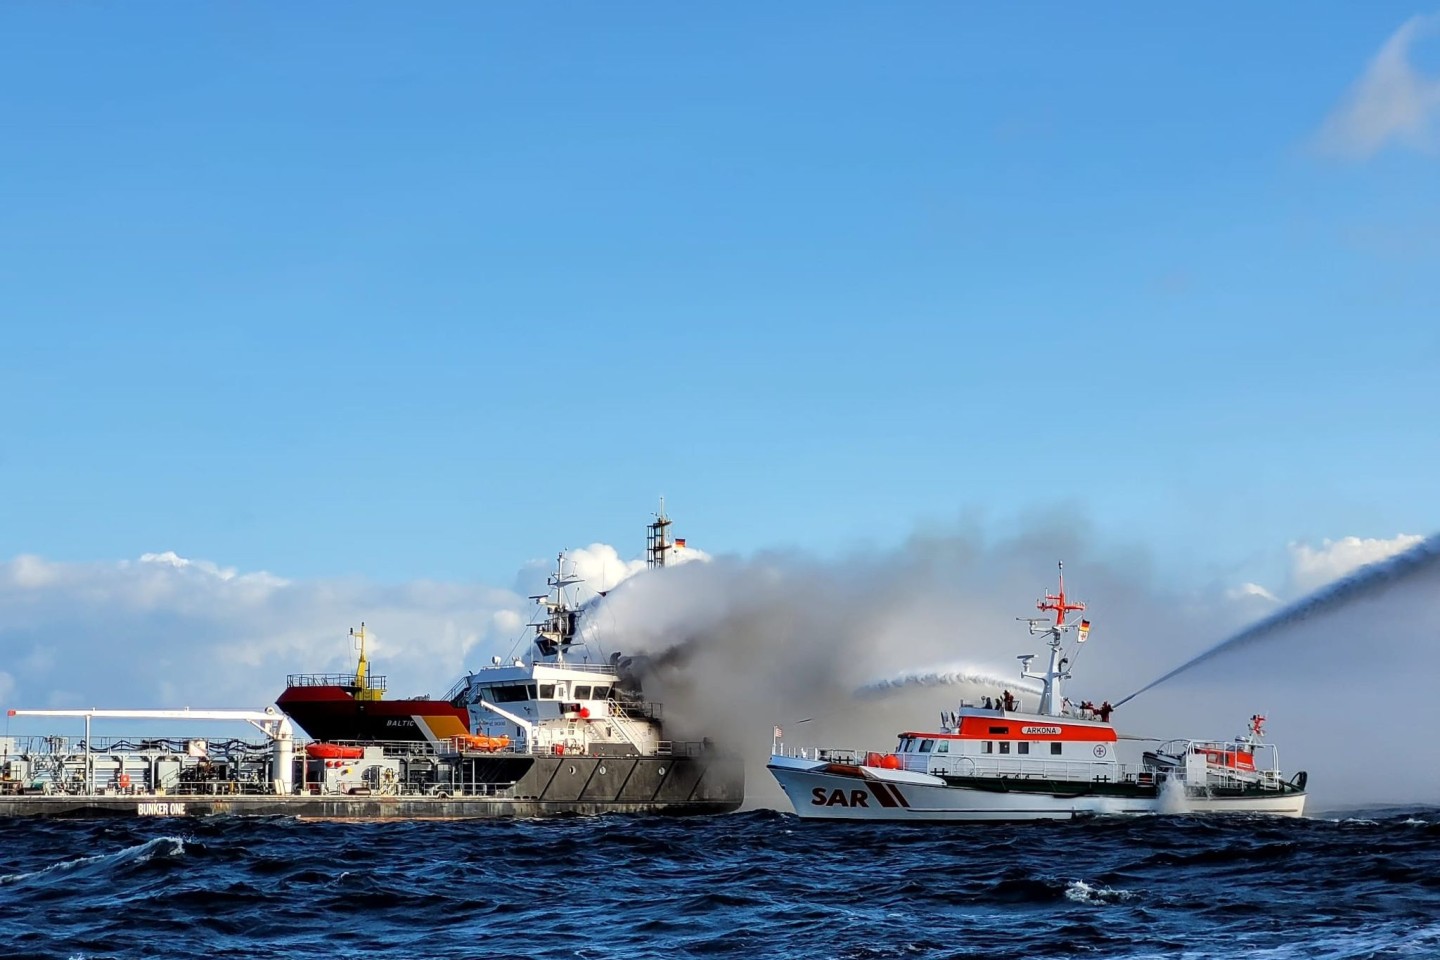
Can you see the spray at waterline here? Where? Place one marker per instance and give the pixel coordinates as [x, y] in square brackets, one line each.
[1369, 581]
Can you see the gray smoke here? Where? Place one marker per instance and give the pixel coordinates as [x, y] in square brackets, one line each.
[739, 645]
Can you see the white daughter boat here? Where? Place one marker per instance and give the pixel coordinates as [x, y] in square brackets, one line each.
[999, 762]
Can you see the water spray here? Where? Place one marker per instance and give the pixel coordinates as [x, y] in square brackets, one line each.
[1369, 580]
[940, 677]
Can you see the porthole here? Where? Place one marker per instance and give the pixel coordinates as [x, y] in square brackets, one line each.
[601, 771]
[573, 771]
[662, 771]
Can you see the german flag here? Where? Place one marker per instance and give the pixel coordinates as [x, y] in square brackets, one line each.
[679, 543]
[1084, 631]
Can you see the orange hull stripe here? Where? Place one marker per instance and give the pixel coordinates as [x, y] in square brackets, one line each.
[979, 728]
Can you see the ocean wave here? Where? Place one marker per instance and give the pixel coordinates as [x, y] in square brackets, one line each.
[1082, 892]
[163, 847]
[739, 886]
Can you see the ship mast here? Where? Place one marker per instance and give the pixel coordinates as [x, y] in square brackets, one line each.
[1055, 673]
[363, 690]
[555, 632]
[656, 546]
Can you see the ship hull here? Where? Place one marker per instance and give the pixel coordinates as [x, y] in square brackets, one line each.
[817, 791]
[332, 713]
[546, 787]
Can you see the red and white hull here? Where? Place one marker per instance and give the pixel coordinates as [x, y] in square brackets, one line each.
[827, 791]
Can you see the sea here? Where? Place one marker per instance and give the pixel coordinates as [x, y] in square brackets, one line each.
[1357, 884]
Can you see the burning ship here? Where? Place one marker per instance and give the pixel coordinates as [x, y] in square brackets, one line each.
[552, 734]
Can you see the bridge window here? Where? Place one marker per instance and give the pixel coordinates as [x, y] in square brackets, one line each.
[547, 691]
[1055, 749]
[1004, 746]
[987, 747]
[1022, 747]
[602, 691]
[926, 746]
[944, 747]
[512, 692]
[582, 691]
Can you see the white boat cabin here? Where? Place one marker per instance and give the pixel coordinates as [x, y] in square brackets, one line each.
[974, 741]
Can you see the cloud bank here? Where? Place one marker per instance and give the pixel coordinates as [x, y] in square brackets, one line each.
[1392, 103]
[166, 631]
[1313, 567]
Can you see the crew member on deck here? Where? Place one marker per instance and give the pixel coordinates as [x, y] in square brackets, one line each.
[1105, 711]
[1009, 701]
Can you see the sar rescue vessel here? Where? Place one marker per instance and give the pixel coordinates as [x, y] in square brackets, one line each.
[1000, 762]
[551, 734]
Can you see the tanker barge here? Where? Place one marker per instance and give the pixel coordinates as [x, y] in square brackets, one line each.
[554, 734]
[55, 776]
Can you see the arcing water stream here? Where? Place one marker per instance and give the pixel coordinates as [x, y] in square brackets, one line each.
[1365, 583]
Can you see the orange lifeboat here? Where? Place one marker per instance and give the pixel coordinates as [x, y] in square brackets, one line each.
[470, 741]
[333, 751]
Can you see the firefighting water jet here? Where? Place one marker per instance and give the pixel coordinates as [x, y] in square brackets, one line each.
[1364, 584]
[942, 676]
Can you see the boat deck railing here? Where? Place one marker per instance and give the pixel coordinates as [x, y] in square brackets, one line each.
[331, 680]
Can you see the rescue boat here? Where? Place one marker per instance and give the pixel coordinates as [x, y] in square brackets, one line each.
[334, 751]
[999, 761]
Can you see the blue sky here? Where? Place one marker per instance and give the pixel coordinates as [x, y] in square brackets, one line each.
[412, 293]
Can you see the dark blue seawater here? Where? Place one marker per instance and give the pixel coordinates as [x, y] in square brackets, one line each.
[755, 884]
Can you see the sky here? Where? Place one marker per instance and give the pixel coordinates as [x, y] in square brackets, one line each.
[385, 306]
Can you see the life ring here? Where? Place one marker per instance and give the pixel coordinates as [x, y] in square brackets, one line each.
[124, 781]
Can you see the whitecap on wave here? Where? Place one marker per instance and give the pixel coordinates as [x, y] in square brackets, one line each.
[140, 853]
[1082, 892]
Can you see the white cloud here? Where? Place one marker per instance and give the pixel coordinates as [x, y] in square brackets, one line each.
[1249, 591]
[1392, 103]
[170, 631]
[1313, 567]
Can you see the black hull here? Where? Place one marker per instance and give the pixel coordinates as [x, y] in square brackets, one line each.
[332, 713]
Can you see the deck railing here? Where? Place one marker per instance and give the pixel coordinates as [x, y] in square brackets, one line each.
[331, 680]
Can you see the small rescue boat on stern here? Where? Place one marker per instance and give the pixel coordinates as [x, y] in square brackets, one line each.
[1001, 762]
